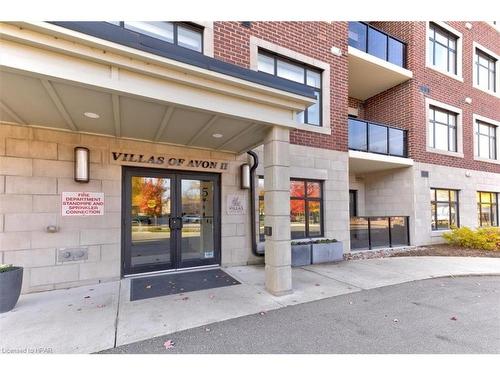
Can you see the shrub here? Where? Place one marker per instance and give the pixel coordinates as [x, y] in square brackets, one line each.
[6, 267]
[483, 238]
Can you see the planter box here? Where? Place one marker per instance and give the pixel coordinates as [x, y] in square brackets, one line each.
[10, 288]
[301, 255]
[327, 252]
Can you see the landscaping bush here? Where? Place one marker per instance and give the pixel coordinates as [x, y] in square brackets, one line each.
[482, 238]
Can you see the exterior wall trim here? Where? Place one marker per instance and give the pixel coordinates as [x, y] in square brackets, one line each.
[444, 25]
[460, 145]
[475, 46]
[256, 43]
[475, 118]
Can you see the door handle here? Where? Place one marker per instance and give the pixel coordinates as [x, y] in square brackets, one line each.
[175, 223]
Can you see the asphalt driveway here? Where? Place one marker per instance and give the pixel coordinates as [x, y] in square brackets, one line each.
[443, 315]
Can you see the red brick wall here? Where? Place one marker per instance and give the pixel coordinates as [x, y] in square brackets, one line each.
[402, 106]
[315, 39]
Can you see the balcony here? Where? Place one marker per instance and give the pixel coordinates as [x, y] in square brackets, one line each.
[377, 61]
[374, 147]
[371, 232]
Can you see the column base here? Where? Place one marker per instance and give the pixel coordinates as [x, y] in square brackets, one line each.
[280, 293]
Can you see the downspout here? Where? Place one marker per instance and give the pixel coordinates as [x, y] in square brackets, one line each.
[252, 203]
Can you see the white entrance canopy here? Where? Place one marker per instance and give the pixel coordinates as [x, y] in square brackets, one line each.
[50, 76]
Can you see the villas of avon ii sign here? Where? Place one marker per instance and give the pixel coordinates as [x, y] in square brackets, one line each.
[166, 161]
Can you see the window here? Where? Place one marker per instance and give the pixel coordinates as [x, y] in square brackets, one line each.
[442, 129]
[306, 208]
[353, 203]
[486, 140]
[181, 34]
[442, 52]
[485, 71]
[487, 209]
[296, 72]
[444, 209]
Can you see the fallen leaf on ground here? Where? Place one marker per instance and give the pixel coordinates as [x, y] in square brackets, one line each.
[169, 344]
[86, 297]
[453, 318]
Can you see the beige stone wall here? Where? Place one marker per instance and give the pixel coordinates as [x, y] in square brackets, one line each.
[448, 178]
[36, 165]
[330, 167]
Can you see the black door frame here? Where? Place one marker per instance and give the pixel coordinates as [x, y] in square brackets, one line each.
[175, 176]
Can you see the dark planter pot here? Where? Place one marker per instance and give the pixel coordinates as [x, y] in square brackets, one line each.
[10, 288]
[327, 252]
[301, 255]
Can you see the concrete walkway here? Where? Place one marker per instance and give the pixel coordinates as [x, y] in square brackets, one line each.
[93, 318]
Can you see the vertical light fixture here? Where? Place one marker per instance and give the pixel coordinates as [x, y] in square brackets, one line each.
[82, 164]
[245, 176]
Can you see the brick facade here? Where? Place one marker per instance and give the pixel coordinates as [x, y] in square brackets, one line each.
[315, 39]
[401, 106]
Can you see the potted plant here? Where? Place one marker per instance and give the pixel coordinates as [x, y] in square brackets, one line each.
[11, 279]
[301, 253]
[327, 250]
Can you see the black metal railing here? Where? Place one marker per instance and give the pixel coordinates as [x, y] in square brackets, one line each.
[369, 232]
[378, 138]
[377, 43]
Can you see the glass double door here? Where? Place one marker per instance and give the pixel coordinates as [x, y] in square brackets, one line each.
[171, 220]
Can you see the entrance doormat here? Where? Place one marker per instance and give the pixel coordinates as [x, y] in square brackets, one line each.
[163, 285]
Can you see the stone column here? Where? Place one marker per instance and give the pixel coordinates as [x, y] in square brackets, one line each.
[277, 211]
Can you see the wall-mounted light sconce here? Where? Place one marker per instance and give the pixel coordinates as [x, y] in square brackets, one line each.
[468, 100]
[82, 164]
[245, 176]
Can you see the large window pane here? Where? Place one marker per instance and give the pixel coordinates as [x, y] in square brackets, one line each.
[313, 79]
[357, 135]
[297, 218]
[189, 38]
[441, 137]
[399, 231]
[357, 35]
[396, 52]
[297, 189]
[313, 189]
[314, 208]
[313, 111]
[159, 30]
[377, 44]
[441, 57]
[290, 71]
[377, 138]
[396, 142]
[266, 63]
[359, 233]
[443, 215]
[379, 231]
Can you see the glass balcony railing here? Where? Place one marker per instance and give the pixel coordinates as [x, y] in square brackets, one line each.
[377, 43]
[369, 232]
[377, 138]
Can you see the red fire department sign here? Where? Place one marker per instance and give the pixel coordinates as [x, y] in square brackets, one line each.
[82, 203]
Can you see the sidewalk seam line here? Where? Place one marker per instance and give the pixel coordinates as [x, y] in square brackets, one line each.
[117, 312]
[331, 278]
